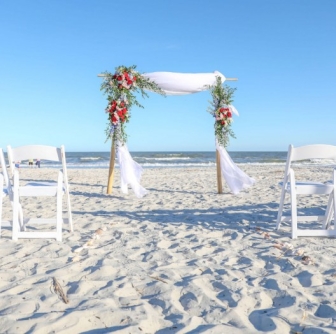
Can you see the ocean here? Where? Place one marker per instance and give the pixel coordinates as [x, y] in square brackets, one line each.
[171, 159]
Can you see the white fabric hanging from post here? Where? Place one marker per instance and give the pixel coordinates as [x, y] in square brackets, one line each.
[184, 83]
[235, 178]
[130, 172]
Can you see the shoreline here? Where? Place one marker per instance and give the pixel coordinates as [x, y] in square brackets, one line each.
[182, 259]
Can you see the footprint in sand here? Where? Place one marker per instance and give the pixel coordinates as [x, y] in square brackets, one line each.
[189, 301]
[226, 294]
[325, 311]
[308, 279]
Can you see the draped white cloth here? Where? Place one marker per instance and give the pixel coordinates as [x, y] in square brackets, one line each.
[130, 172]
[235, 178]
[184, 83]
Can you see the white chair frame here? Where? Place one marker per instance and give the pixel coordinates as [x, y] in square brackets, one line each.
[35, 189]
[7, 191]
[293, 187]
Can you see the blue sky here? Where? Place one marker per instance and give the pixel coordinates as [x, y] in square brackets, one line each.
[283, 53]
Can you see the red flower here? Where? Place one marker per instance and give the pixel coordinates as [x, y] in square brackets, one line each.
[134, 78]
[119, 78]
[114, 119]
[221, 110]
[129, 82]
[229, 114]
[120, 86]
[223, 122]
[122, 104]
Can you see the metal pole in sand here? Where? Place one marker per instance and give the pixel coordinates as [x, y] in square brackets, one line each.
[111, 169]
[219, 174]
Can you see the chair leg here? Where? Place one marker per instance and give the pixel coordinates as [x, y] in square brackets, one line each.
[281, 205]
[329, 212]
[69, 211]
[0, 215]
[59, 218]
[293, 207]
[1, 199]
[15, 223]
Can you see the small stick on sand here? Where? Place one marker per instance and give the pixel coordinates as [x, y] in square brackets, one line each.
[59, 291]
[158, 279]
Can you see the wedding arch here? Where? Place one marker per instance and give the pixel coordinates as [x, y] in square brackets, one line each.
[120, 88]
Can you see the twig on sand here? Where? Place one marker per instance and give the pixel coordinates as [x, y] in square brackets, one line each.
[59, 291]
[304, 316]
[158, 279]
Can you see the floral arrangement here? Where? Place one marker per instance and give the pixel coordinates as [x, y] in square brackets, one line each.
[220, 109]
[120, 88]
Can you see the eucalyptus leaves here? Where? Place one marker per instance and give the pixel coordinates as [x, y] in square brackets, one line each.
[220, 108]
[120, 88]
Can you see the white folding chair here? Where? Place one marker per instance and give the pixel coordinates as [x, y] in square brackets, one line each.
[39, 188]
[295, 187]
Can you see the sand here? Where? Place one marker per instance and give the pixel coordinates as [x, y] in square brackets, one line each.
[183, 259]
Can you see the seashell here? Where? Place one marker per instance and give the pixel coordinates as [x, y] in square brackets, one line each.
[90, 242]
[266, 235]
[99, 231]
[299, 252]
[307, 260]
[288, 246]
[278, 246]
[78, 250]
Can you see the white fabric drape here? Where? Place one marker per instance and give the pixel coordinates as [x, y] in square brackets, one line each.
[183, 83]
[130, 172]
[235, 178]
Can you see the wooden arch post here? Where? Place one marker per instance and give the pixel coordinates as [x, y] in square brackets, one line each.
[219, 173]
[111, 168]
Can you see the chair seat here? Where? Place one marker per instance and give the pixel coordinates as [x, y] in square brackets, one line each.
[308, 187]
[39, 189]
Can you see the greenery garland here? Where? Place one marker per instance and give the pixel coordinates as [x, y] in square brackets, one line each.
[222, 97]
[120, 88]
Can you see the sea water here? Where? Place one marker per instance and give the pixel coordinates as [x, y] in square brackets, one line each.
[172, 159]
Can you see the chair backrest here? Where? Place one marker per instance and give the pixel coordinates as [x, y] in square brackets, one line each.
[42, 152]
[316, 151]
[4, 170]
[28, 152]
[313, 152]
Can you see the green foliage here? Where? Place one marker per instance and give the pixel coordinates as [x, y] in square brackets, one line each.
[120, 89]
[222, 98]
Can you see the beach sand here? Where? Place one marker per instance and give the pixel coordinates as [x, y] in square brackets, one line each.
[183, 259]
